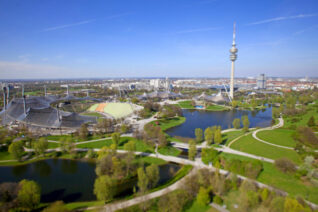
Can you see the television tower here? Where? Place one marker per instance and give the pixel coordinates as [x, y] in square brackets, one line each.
[233, 57]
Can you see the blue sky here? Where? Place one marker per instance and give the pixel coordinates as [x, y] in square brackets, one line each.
[157, 38]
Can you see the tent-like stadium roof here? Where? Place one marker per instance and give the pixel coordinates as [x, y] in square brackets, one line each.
[38, 112]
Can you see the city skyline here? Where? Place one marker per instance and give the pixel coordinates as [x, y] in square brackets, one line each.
[156, 39]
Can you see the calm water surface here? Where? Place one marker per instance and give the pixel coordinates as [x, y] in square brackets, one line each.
[203, 119]
[67, 180]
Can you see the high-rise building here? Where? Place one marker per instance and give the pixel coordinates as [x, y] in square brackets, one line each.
[261, 81]
[233, 57]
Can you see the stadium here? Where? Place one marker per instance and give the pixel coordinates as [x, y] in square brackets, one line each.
[115, 110]
[37, 112]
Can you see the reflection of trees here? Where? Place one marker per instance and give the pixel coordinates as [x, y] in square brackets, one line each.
[42, 168]
[19, 171]
[254, 113]
[69, 166]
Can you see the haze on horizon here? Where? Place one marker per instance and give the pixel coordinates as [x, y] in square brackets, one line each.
[157, 38]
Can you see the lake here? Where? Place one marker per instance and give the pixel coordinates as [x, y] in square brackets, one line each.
[67, 180]
[203, 119]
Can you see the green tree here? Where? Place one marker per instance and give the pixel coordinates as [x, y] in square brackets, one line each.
[198, 135]
[292, 205]
[69, 145]
[246, 123]
[152, 173]
[234, 104]
[203, 197]
[123, 128]
[130, 146]
[218, 136]
[29, 194]
[83, 132]
[311, 122]
[192, 150]
[253, 103]
[208, 135]
[57, 206]
[16, 149]
[236, 123]
[105, 188]
[143, 180]
[40, 146]
[116, 138]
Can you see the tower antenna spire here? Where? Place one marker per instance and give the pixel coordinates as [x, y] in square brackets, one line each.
[234, 33]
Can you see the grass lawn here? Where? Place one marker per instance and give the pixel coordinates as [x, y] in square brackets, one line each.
[93, 114]
[216, 108]
[151, 160]
[95, 144]
[165, 124]
[197, 207]
[186, 105]
[53, 145]
[249, 145]
[230, 136]
[169, 150]
[287, 182]
[140, 145]
[61, 137]
[4, 155]
[281, 137]
[77, 205]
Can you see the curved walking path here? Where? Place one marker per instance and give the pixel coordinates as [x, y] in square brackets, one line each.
[280, 124]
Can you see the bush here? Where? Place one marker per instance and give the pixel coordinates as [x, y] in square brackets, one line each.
[217, 200]
[285, 165]
[306, 136]
[203, 197]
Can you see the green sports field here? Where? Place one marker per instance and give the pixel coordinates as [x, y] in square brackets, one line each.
[116, 110]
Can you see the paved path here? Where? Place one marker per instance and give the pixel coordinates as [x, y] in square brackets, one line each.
[219, 207]
[91, 141]
[280, 124]
[236, 152]
[229, 145]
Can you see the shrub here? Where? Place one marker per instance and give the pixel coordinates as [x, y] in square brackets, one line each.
[203, 197]
[285, 165]
[306, 136]
[217, 199]
[311, 122]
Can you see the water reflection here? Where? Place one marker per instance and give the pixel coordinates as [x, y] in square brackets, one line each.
[19, 171]
[203, 119]
[69, 166]
[42, 168]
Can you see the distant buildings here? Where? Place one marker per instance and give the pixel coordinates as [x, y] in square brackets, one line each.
[261, 82]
